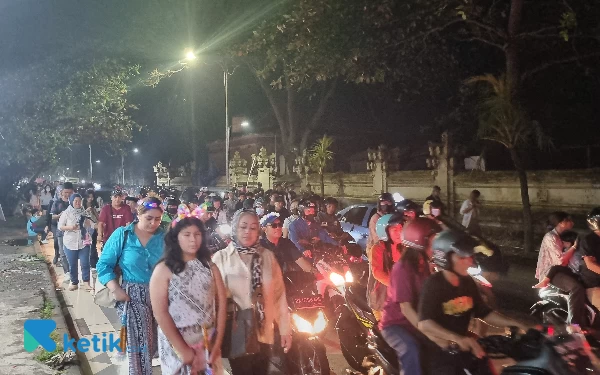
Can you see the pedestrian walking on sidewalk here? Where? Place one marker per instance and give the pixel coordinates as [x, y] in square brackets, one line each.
[71, 223]
[185, 290]
[60, 204]
[136, 249]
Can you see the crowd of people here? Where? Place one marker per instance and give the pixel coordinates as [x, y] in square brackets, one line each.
[173, 290]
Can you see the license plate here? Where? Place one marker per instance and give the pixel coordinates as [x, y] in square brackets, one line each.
[308, 302]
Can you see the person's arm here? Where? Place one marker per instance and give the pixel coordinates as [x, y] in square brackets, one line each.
[466, 207]
[281, 305]
[294, 237]
[159, 297]
[377, 265]
[62, 224]
[372, 232]
[102, 220]
[326, 238]
[221, 312]
[55, 214]
[410, 313]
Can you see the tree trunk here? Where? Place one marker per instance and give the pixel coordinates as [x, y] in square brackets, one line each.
[512, 48]
[322, 184]
[527, 217]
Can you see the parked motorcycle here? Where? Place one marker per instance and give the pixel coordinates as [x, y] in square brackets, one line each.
[308, 354]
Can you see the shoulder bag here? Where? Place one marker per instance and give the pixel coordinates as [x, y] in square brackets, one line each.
[103, 296]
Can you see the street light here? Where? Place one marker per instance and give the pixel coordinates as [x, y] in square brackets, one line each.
[189, 54]
[136, 150]
[245, 124]
[97, 161]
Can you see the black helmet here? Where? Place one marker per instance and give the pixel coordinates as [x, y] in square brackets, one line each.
[593, 219]
[331, 200]
[385, 197]
[448, 242]
[407, 205]
[416, 233]
[173, 202]
[304, 204]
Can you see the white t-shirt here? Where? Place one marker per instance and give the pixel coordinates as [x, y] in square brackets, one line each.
[472, 215]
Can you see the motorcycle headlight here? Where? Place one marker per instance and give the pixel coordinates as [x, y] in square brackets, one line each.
[349, 278]
[337, 279]
[474, 271]
[225, 229]
[304, 326]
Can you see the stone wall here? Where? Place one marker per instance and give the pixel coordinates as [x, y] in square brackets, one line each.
[574, 191]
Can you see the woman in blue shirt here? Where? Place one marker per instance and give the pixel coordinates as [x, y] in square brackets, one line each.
[136, 249]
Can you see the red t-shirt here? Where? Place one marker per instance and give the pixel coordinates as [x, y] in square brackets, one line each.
[114, 218]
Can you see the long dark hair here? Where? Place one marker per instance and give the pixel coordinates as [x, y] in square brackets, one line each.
[413, 258]
[173, 255]
[556, 218]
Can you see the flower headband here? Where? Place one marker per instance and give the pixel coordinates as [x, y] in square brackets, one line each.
[149, 205]
[183, 212]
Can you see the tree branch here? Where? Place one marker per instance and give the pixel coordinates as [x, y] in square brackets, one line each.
[549, 64]
[291, 96]
[489, 42]
[490, 28]
[540, 33]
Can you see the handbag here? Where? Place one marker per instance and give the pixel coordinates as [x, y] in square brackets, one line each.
[103, 296]
[240, 337]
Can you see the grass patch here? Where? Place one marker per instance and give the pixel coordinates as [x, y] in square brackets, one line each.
[45, 355]
[47, 310]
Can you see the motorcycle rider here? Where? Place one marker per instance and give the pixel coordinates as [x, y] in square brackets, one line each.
[384, 255]
[409, 208]
[285, 251]
[385, 205]
[279, 207]
[590, 246]
[551, 254]
[304, 230]
[170, 213]
[327, 218]
[399, 322]
[448, 301]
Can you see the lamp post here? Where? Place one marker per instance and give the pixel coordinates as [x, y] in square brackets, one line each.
[135, 151]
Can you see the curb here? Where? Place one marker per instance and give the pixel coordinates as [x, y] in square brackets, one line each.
[64, 322]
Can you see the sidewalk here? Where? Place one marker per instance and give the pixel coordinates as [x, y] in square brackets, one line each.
[90, 319]
[26, 287]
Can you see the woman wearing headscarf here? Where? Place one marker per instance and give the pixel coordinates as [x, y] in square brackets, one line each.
[76, 250]
[246, 268]
[136, 248]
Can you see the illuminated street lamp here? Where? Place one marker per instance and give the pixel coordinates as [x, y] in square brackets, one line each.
[97, 161]
[190, 55]
[245, 124]
[136, 150]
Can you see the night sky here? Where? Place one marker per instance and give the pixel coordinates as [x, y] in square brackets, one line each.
[38, 37]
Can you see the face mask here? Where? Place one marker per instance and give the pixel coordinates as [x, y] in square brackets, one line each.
[260, 211]
[435, 211]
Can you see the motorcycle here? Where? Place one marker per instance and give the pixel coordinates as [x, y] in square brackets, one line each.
[553, 307]
[308, 354]
[559, 350]
[220, 238]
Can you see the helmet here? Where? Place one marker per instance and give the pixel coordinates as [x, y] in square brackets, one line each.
[248, 204]
[593, 219]
[385, 197]
[331, 200]
[304, 204]
[448, 242]
[173, 202]
[407, 205]
[384, 222]
[417, 232]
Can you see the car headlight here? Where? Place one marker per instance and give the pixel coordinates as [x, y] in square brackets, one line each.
[225, 229]
[303, 325]
[349, 278]
[337, 279]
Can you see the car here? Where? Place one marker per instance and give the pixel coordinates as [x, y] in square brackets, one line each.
[355, 221]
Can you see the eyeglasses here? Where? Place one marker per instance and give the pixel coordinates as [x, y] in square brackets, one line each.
[276, 225]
